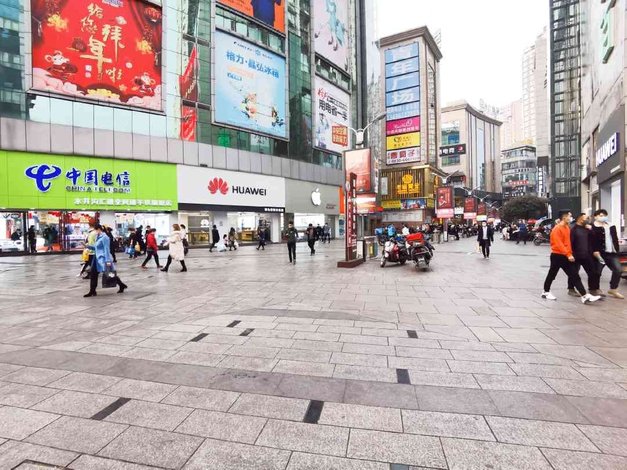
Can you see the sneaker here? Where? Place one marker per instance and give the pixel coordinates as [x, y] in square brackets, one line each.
[614, 293]
[548, 296]
[573, 293]
[589, 298]
[597, 292]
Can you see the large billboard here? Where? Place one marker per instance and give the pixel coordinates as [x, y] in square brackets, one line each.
[43, 181]
[107, 50]
[332, 110]
[402, 102]
[359, 163]
[331, 38]
[268, 12]
[250, 86]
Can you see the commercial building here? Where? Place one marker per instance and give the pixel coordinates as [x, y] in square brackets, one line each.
[410, 99]
[565, 88]
[471, 148]
[519, 172]
[512, 128]
[232, 104]
[603, 179]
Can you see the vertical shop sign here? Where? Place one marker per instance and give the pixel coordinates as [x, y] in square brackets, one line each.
[351, 217]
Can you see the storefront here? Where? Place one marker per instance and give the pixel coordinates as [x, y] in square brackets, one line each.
[59, 195]
[610, 164]
[311, 203]
[407, 196]
[229, 199]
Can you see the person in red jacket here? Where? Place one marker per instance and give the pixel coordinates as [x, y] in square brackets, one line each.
[562, 258]
[152, 248]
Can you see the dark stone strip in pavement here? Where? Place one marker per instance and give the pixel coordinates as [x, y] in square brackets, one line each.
[106, 411]
[233, 324]
[195, 339]
[398, 466]
[314, 410]
[402, 376]
[412, 334]
[247, 331]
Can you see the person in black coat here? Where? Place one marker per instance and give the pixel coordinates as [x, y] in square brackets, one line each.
[581, 241]
[485, 238]
[605, 245]
[215, 238]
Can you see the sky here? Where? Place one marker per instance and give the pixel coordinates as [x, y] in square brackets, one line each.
[482, 42]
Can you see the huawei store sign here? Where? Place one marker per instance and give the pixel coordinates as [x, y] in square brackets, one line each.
[219, 185]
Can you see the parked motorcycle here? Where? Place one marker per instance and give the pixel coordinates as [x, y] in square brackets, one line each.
[420, 250]
[540, 237]
[394, 251]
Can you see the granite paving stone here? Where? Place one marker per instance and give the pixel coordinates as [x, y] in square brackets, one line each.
[270, 407]
[454, 400]
[359, 359]
[535, 406]
[304, 368]
[18, 423]
[140, 389]
[79, 404]
[314, 438]
[23, 396]
[224, 426]
[35, 376]
[12, 453]
[587, 388]
[608, 440]
[390, 447]
[363, 417]
[302, 461]
[569, 460]
[192, 397]
[446, 424]
[150, 415]
[378, 374]
[445, 379]
[152, 447]
[77, 434]
[601, 411]
[312, 388]
[304, 355]
[89, 462]
[513, 383]
[464, 454]
[82, 382]
[220, 455]
[475, 367]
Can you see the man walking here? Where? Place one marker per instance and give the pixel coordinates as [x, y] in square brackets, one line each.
[292, 237]
[562, 258]
[581, 242]
[605, 246]
[215, 238]
[485, 238]
[326, 230]
[311, 239]
[522, 232]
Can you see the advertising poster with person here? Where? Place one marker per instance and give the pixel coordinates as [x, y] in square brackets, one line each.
[359, 163]
[331, 36]
[269, 12]
[332, 110]
[250, 86]
[99, 49]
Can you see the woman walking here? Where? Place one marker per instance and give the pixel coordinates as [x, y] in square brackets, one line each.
[176, 249]
[232, 241]
[102, 262]
[152, 249]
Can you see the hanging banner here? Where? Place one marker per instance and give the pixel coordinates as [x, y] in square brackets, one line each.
[445, 202]
[250, 86]
[107, 50]
[332, 110]
[268, 12]
[470, 208]
[331, 38]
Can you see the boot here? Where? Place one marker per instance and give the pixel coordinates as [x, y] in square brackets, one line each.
[122, 287]
[91, 294]
[184, 270]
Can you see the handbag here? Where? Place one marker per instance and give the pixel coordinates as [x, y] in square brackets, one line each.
[85, 255]
[137, 247]
[109, 276]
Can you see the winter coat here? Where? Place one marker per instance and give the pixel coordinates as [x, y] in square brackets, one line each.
[487, 241]
[215, 236]
[175, 245]
[102, 252]
[151, 242]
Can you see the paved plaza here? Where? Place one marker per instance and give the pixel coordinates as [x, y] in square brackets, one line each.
[249, 362]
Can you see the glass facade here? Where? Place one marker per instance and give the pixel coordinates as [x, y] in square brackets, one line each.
[519, 172]
[565, 71]
[187, 80]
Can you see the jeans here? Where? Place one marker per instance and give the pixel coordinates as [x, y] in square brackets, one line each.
[561, 262]
[613, 263]
[291, 249]
[592, 269]
[151, 254]
[485, 249]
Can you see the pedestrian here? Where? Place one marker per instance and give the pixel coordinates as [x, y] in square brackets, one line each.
[405, 230]
[101, 262]
[485, 238]
[523, 232]
[215, 238]
[232, 241]
[113, 243]
[32, 239]
[605, 244]
[311, 239]
[562, 258]
[90, 241]
[319, 233]
[581, 240]
[292, 237]
[326, 233]
[176, 251]
[139, 240]
[152, 248]
[130, 250]
[261, 235]
[184, 237]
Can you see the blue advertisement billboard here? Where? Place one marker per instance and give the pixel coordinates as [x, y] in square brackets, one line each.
[396, 98]
[250, 86]
[403, 67]
[401, 53]
[402, 81]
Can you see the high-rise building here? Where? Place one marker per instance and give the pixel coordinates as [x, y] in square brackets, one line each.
[535, 99]
[203, 112]
[565, 77]
[529, 94]
[410, 98]
[519, 171]
[512, 127]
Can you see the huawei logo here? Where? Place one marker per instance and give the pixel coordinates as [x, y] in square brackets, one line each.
[218, 184]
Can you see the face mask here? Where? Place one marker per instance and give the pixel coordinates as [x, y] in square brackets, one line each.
[570, 220]
[602, 219]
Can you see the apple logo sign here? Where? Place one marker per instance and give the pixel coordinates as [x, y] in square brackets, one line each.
[316, 198]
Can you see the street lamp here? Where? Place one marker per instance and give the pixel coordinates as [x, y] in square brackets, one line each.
[360, 134]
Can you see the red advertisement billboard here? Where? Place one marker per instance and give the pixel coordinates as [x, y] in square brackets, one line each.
[358, 162]
[470, 208]
[445, 201]
[269, 12]
[107, 50]
[482, 209]
[402, 126]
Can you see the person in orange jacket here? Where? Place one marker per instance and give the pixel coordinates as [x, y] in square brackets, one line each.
[562, 258]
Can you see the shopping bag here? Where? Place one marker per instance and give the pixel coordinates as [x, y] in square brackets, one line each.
[138, 248]
[109, 276]
[130, 251]
[85, 255]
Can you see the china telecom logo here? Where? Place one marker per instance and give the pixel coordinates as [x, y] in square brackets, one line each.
[218, 185]
[42, 174]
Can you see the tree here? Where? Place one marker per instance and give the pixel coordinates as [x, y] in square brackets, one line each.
[524, 207]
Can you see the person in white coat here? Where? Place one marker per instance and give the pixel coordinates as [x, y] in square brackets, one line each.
[176, 248]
